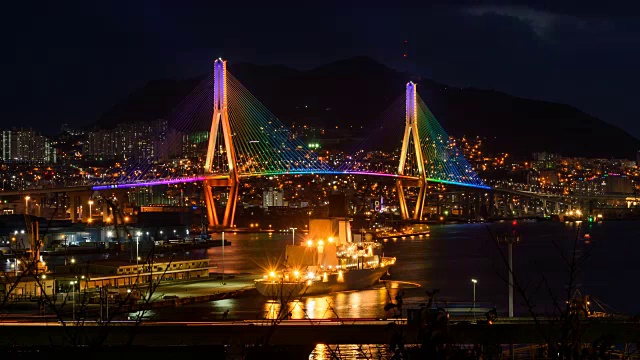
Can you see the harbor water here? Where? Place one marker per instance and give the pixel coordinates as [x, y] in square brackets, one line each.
[447, 260]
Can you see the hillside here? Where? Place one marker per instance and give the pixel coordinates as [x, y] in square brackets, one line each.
[357, 90]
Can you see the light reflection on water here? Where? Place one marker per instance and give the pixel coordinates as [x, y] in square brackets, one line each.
[367, 351]
[447, 260]
[352, 304]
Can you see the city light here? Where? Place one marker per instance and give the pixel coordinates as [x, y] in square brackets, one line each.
[211, 177]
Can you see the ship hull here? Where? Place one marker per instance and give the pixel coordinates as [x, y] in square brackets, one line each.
[350, 280]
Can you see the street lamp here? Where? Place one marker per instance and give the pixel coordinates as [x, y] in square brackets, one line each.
[90, 213]
[223, 283]
[73, 299]
[510, 240]
[26, 204]
[293, 235]
[137, 241]
[474, 281]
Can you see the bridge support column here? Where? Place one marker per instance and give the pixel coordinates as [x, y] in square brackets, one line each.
[221, 119]
[73, 208]
[106, 212]
[84, 203]
[411, 132]
[492, 204]
[121, 197]
[404, 212]
[230, 208]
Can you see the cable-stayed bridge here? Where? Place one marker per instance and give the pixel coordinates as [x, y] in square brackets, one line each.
[247, 140]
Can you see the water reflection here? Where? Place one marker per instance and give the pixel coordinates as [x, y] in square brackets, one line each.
[447, 260]
[354, 304]
[366, 351]
[272, 310]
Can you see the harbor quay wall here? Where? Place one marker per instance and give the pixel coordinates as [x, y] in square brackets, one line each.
[294, 332]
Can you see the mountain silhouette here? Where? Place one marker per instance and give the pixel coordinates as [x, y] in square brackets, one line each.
[355, 91]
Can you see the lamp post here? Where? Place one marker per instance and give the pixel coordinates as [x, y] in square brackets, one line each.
[293, 236]
[137, 242]
[90, 213]
[474, 281]
[73, 299]
[26, 204]
[510, 239]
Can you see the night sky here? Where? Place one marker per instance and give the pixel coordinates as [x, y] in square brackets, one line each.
[69, 61]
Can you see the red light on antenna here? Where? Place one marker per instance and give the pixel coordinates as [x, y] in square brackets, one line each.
[404, 55]
[514, 223]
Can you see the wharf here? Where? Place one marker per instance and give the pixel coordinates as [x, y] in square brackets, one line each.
[116, 248]
[194, 291]
[169, 293]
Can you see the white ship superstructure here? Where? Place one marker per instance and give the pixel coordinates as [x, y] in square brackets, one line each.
[327, 261]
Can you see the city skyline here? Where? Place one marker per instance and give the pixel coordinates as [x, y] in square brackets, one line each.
[434, 179]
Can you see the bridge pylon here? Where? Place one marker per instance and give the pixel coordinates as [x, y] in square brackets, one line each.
[221, 119]
[411, 133]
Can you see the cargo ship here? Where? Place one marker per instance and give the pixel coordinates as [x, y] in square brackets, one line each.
[328, 260]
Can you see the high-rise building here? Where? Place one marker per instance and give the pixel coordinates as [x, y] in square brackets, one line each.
[195, 144]
[25, 145]
[150, 140]
[100, 145]
[272, 197]
[612, 184]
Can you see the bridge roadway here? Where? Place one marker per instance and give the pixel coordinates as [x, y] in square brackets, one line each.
[296, 332]
[558, 197]
[178, 180]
